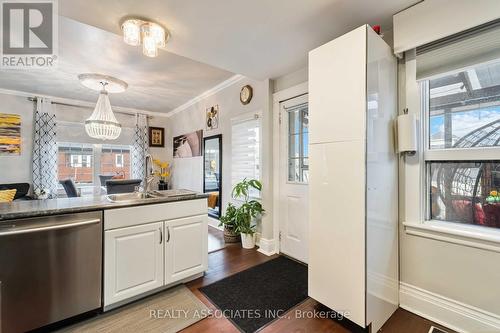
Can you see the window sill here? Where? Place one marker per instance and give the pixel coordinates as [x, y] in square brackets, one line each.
[456, 233]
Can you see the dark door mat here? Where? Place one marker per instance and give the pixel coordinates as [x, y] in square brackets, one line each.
[253, 298]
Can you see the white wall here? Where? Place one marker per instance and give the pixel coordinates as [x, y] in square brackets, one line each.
[188, 172]
[291, 79]
[18, 168]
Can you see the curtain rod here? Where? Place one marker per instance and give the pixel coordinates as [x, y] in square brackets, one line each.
[33, 99]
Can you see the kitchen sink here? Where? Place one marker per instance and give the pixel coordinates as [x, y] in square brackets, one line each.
[129, 197]
[139, 196]
[172, 193]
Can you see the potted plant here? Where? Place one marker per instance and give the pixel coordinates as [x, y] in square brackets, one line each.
[163, 174]
[228, 221]
[247, 212]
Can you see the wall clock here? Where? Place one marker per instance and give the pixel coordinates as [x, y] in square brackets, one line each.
[246, 94]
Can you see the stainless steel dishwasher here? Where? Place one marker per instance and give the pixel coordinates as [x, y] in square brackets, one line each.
[50, 269]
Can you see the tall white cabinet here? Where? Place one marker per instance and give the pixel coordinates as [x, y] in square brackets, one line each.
[353, 244]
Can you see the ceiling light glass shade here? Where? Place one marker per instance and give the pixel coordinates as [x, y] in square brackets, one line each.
[102, 124]
[149, 46]
[158, 33]
[132, 32]
[151, 35]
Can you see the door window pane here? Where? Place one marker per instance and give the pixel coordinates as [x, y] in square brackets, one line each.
[298, 140]
[294, 145]
[464, 108]
[465, 192]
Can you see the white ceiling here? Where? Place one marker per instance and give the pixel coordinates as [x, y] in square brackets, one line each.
[155, 84]
[257, 38]
[211, 40]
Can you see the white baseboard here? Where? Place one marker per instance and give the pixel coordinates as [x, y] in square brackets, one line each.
[383, 287]
[267, 246]
[447, 312]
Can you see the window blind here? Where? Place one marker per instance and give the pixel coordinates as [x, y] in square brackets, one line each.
[71, 131]
[245, 150]
[475, 46]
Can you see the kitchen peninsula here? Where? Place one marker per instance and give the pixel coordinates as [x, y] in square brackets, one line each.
[98, 253]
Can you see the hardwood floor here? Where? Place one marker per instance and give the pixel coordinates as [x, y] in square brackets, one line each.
[405, 321]
[215, 239]
[234, 259]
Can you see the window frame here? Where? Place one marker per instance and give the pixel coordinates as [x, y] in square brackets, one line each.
[414, 185]
[475, 154]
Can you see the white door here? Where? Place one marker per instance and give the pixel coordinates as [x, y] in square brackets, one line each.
[294, 177]
[133, 261]
[186, 250]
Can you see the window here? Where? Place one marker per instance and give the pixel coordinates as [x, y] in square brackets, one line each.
[245, 150]
[298, 129]
[119, 160]
[462, 151]
[115, 160]
[81, 161]
[85, 162]
[75, 161]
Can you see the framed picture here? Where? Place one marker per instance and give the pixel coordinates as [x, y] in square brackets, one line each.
[157, 137]
[188, 145]
[212, 120]
[10, 134]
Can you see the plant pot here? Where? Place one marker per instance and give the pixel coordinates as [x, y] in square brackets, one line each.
[162, 186]
[230, 236]
[247, 241]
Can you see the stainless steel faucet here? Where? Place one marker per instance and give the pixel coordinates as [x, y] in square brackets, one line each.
[148, 173]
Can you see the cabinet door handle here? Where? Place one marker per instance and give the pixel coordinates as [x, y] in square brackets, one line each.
[161, 235]
[168, 234]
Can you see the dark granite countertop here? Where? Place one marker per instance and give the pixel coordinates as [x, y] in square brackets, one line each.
[35, 208]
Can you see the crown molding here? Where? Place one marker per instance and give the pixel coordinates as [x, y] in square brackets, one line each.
[221, 86]
[81, 103]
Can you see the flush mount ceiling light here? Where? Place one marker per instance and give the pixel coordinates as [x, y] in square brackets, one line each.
[102, 124]
[150, 34]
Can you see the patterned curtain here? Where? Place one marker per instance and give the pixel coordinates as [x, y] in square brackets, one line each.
[140, 146]
[45, 149]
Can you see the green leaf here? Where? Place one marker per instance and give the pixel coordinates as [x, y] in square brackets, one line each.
[241, 217]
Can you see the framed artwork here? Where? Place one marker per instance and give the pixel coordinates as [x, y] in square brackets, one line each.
[10, 134]
[212, 119]
[156, 137]
[188, 145]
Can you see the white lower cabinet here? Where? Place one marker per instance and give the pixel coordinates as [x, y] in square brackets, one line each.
[133, 261]
[143, 255]
[186, 248]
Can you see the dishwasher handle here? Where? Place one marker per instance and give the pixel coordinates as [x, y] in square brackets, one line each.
[14, 231]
